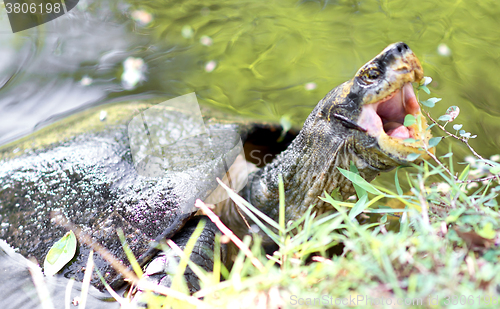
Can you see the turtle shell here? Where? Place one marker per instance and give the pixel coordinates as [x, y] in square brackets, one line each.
[134, 166]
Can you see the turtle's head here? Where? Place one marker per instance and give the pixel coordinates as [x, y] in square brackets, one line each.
[376, 102]
[360, 121]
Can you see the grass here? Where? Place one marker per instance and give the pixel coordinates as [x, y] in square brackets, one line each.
[439, 255]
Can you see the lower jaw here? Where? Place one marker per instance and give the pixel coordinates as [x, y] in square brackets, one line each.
[400, 150]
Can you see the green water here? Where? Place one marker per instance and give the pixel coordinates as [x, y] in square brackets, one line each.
[269, 53]
[270, 59]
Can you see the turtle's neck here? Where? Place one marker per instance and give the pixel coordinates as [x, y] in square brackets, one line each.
[309, 167]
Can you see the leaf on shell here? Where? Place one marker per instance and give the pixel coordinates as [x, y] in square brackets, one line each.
[60, 254]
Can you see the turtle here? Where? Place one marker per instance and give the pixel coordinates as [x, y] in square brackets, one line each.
[140, 166]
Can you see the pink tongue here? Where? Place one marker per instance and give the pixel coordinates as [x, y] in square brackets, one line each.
[396, 129]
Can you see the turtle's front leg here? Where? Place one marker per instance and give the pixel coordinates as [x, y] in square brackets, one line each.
[163, 267]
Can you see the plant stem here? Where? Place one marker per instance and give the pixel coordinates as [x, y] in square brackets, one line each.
[458, 138]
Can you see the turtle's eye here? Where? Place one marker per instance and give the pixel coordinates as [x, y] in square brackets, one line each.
[370, 75]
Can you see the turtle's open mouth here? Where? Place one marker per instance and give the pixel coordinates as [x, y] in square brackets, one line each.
[388, 114]
[384, 120]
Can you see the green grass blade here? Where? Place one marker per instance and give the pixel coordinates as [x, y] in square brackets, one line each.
[282, 206]
[359, 190]
[178, 281]
[396, 182]
[359, 207]
[130, 255]
[252, 212]
[358, 180]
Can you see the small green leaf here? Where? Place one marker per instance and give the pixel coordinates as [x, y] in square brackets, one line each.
[445, 118]
[431, 102]
[457, 127]
[454, 215]
[286, 125]
[331, 201]
[433, 142]
[409, 120]
[424, 88]
[409, 140]
[412, 156]
[383, 220]
[336, 194]
[465, 134]
[449, 154]
[60, 254]
[356, 179]
[487, 231]
[495, 169]
[491, 203]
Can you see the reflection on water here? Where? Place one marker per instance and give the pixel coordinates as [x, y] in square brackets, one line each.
[263, 58]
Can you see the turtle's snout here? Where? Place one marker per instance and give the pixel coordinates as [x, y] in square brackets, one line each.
[405, 61]
[402, 47]
[399, 49]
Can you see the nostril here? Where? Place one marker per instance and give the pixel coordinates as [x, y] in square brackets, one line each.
[402, 47]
